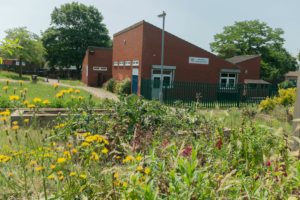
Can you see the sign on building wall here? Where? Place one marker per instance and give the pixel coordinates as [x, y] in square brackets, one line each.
[87, 68]
[198, 61]
[100, 68]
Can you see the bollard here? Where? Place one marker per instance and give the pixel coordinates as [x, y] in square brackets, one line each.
[47, 79]
[58, 79]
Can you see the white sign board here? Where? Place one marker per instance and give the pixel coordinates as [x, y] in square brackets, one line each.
[198, 61]
[100, 68]
[87, 68]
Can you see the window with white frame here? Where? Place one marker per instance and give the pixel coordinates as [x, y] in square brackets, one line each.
[18, 63]
[228, 79]
[127, 63]
[116, 63]
[135, 63]
[121, 63]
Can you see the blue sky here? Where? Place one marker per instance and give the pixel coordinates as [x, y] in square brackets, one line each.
[195, 21]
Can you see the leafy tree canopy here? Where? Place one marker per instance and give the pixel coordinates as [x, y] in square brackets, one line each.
[74, 27]
[32, 51]
[252, 38]
[8, 46]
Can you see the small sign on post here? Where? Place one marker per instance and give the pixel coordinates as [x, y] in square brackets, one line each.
[296, 122]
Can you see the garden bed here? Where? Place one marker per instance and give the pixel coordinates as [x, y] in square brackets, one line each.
[44, 117]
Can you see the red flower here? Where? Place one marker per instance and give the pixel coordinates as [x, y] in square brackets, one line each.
[218, 144]
[269, 163]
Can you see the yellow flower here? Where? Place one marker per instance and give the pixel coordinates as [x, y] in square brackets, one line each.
[74, 150]
[124, 184]
[14, 97]
[116, 175]
[72, 96]
[56, 85]
[20, 81]
[21, 91]
[77, 91]
[37, 100]
[80, 97]
[57, 127]
[15, 127]
[4, 119]
[43, 168]
[31, 106]
[140, 168]
[50, 177]
[82, 176]
[15, 122]
[70, 90]
[61, 178]
[60, 173]
[73, 174]
[85, 144]
[118, 157]
[143, 177]
[7, 80]
[104, 151]
[69, 145]
[26, 102]
[10, 174]
[5, 88]
[26, 120]
[38, 169]
[25, 89]
[147, 171]
[59, 95]
[46, 102]
[53, 167]
[139, 158]
[32, 152]
[61, 160]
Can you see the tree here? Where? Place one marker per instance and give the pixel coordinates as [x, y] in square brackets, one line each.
[74, 27]
[247, 36]
[32, 51]
[252, 38]
[8, 46]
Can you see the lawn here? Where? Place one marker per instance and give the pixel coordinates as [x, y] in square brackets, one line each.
[72, 82]
[15, 76]
[39, 90]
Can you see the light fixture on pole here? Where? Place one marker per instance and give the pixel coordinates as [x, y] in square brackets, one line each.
[163, 15]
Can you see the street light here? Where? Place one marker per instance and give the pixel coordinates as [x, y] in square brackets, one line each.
[163, 15]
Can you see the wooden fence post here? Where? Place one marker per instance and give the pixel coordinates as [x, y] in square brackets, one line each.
[295, 133]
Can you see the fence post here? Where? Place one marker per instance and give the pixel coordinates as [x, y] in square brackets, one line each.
[238, 96]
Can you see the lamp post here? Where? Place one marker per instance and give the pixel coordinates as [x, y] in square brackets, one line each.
[163, 15]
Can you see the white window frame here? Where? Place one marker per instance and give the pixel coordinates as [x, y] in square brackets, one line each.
[228, 78]
[87, 70]
[18, 63]
[121, 63]
[135, 63]
[127, 63]
[100, 68]
[116, 63]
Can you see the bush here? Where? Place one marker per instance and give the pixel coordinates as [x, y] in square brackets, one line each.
[110, 85]
[286, 96]
[268, 104]
[125, 86]
[286, 84]
[117, 87]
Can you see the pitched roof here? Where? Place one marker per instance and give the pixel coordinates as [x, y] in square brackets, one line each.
[239, 59]
[292, 73]
[143, 21]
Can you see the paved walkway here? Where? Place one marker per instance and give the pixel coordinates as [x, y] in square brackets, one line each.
[97, 92]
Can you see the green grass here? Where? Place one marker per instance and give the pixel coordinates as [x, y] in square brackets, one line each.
[42, 91]
[15, 76]
[72, 82]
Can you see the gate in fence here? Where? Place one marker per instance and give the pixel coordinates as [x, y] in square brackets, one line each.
[209, 95]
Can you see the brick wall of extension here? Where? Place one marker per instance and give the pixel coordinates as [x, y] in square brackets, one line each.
[102, 57]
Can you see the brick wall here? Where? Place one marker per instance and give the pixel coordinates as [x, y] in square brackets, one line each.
[253, 68]
[129, 50]
[102, 57]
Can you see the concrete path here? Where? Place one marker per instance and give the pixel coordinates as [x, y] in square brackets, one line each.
[97, 92]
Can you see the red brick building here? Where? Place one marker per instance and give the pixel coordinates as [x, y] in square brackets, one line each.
[137, 54]
[96, 65]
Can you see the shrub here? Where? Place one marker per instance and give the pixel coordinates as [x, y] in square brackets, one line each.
[117, 87]
[268, 104]
[125, 86]
[110, 85]
[286, 84]
[286, 96]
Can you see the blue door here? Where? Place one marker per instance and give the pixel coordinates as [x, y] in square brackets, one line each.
[135, 80]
